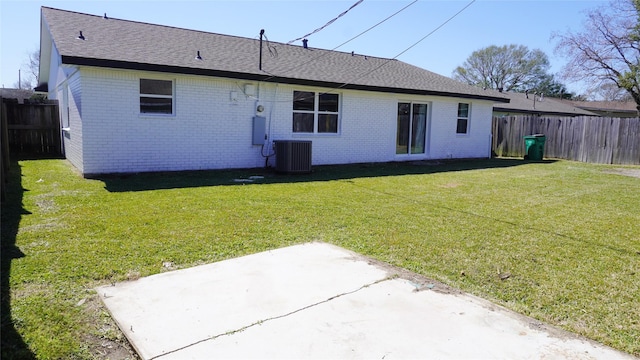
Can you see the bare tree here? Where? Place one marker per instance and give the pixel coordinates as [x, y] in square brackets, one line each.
[508, 67]
[609, 92]
[33, 65]
[608, 50]
[23, 83]
[30, 71]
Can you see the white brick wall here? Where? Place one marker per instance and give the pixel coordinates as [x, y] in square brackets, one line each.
[73, 139]
[210, 131]
[445, 143]
[62, 79]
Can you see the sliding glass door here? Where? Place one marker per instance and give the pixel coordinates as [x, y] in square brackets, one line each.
[412, 128]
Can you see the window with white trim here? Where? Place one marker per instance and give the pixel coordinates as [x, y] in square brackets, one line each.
[315, 113]
[412, 128]
[156, 96]
[462, 126]
[65, 107]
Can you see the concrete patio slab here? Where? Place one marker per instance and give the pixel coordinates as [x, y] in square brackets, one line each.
[319, 301]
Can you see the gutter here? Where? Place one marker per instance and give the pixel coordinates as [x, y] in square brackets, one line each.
[116, 64]
[538, 112]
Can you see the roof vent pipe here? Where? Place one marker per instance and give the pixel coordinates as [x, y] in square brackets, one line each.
[198, 57]
[105, 16]
[260, 59]
[80, 37]
[304, 43]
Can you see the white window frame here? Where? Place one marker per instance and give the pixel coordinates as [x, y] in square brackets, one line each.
[410, 134]
[66, 125]
[316, 113]
[467, 118]
[157, 96]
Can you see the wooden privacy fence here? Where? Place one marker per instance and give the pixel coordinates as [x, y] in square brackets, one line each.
[590, 139]
[32, 128]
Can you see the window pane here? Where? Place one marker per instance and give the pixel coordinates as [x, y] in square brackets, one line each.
[328, 102]
[156, 105]
[462, 126]
[463, 110]
[402, 140]
[303, 100]
[156, 87]
[302, 122]
[419, 128]
[327, 123]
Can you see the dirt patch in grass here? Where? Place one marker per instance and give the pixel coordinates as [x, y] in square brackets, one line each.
[44, 226]
[105, 349]
[45, 203]
[106, 341]
[626, 172]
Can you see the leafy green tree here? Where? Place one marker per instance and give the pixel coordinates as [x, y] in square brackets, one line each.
[504, 68]
[549, 86]
[608, 49]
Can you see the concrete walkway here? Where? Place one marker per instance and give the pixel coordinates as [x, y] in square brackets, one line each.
[320, 301]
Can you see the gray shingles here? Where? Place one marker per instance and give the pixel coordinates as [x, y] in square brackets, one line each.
[549, 106]
[604, 106]
[130, 42]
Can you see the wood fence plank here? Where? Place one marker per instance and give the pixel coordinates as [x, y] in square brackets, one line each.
[34, 128]
[588, 139]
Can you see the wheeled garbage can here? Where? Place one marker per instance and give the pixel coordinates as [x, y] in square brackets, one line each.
[534, 146]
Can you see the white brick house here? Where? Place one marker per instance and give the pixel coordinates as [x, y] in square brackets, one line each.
[147, 103]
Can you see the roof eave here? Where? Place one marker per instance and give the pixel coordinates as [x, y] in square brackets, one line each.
[607, 110]
[42, 88]
[116, 64]
[534, 111]
[45, 55]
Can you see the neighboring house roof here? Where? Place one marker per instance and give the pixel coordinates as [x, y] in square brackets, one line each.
[534, 104]
[20, 94]
[607, 107]
[127, 44]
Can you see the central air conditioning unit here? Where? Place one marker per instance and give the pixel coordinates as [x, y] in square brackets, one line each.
[293, 156]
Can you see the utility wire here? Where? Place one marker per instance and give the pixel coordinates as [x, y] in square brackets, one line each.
[327, 24]
[411, 46]
[388, 60]
[374, 26]
[436, 29]
[344, 43]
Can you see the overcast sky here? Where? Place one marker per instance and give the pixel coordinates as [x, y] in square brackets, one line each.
[483, 23]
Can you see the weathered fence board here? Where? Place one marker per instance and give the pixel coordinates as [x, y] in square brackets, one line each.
[589, 139]
[33, 129]
[4, 145]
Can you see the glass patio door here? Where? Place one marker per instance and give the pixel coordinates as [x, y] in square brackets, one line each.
[412, 128]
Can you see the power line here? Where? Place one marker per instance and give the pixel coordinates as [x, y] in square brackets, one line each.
[374, 26]
[387, 60]
[327, 24]
[436, 29]
[344, 43]
[411, 46]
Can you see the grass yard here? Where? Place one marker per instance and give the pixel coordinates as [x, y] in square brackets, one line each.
[555, 240]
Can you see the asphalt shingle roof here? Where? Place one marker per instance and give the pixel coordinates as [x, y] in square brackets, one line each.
[136, 45]
[614, 106]
[19, 94]
[532, 104]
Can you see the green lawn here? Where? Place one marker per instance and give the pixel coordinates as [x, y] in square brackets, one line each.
[567, 233]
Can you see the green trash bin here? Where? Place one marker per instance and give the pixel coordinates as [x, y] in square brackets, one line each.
[534, 146]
